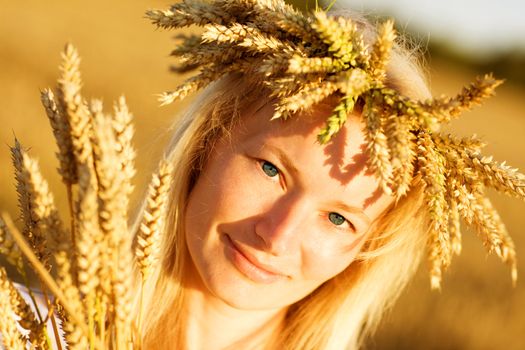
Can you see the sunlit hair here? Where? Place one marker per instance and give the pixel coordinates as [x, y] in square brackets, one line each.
[342, 311]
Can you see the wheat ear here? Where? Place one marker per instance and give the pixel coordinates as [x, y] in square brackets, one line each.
[61, 131]
[148, 237]
[124, 131]
[28, 189]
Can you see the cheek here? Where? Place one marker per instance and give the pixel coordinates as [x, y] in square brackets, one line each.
[227, 190]
[328, 257]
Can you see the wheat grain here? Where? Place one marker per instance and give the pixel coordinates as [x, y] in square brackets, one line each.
[432, 166]
[65, 294]
[182, 15]
[72, 105]
[277, 17]
[308, 95]
[124, 131]
[28, 319]
[11, 336]
[381, 49]
[454, 217]
[469, 97]
[498, 175]
[74, 317]
[377, 148]
[401, 144]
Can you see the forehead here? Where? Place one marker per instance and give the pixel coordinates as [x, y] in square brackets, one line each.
[335, 170]
[304, 128]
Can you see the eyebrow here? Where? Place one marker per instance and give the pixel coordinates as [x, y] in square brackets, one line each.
[288, 164]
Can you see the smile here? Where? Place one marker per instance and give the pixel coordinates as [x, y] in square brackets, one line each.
[249, 266]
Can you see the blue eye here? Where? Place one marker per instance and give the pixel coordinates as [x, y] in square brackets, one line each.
[270, 169]
[336, 219]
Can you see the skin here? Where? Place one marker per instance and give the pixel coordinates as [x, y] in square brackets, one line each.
[273, 215]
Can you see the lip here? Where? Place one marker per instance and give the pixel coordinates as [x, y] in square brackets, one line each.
[249, 266]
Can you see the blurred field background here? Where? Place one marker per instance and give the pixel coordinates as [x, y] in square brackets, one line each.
[123, 54]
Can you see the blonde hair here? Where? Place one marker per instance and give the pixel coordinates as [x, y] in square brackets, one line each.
[344, 310]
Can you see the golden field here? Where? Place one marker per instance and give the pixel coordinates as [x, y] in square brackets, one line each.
[123, 54]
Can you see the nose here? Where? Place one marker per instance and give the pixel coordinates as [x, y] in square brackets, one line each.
[280, 228]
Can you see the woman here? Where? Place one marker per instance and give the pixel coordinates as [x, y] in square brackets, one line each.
[274, 241]
[310, 174]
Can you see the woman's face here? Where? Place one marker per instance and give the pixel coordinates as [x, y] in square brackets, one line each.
[274, 214]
